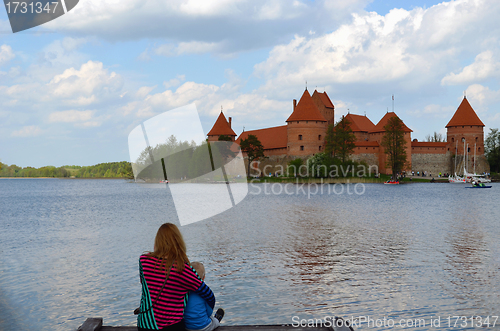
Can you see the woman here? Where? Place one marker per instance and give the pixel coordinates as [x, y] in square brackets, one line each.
[166, 278]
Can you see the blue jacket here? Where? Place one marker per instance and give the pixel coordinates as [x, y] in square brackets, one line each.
[197, 312]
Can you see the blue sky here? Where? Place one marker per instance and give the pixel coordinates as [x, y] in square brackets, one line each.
[71, 90]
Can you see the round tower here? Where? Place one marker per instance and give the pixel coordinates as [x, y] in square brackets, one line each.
[465, 127]
[306, 128]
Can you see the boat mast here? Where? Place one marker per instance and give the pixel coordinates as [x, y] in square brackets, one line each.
[456, 152]
[474, 158]
[465, 171]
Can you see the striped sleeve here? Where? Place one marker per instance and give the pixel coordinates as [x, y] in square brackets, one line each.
[199, 285]
[206, 293]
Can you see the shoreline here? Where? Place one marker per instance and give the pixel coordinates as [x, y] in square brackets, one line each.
[64, 178]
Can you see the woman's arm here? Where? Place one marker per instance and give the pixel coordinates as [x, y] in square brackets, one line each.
[206, 293]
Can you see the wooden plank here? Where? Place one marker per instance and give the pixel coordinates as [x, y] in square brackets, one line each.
[91, 324]
[280, 327]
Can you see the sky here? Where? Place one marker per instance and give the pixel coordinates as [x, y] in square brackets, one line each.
[72, 90]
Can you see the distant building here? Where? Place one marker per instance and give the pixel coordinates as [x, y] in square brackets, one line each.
[305, 131]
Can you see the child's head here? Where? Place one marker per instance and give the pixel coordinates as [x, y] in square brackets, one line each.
[200, 269]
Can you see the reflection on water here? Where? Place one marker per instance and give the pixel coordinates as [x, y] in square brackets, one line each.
[70, 247]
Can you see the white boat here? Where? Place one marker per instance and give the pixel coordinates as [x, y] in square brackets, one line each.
[457, 179]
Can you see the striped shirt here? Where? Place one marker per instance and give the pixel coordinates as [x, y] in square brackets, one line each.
[169, 308]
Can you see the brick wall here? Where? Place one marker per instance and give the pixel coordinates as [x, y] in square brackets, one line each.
[312, 134]
[432, 163]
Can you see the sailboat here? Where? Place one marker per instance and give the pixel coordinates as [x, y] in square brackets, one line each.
[456, 179]
[475, 177]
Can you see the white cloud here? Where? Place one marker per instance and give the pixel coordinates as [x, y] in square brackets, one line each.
[480, 97]
[174, 81]
[27, 131]
[407, 49]
[70, 116]
[433, 111]
[90, 81]
[6, 54]
[485, 65]
[228, 25]
[193, 47]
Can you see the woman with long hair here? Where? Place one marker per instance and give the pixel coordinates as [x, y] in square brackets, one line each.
[166, 278]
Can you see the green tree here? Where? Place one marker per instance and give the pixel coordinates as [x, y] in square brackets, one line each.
[394, 144]
[254, 149]
[436, 137]
[492, 148]
[293, 168]
[340, 140]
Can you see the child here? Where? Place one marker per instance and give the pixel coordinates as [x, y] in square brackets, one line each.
[198, 314]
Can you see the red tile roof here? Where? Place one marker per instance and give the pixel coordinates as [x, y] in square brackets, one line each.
[360, 123]
[383, 122]
[271, 138]
[465, 115]
[221, 127]
[428, 144]
[325, 99]
[306, 110]
[364, 143]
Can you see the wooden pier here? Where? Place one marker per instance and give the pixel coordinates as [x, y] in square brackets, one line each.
[95, 324]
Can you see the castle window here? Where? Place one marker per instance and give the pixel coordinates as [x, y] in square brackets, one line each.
[319, 149]
[297, 122]
[452, 140]
[301, 148]
[319, 137]
[300, 137]
[468, 149]
[463, 126]
[448, 149]
[476, 138]
[479, 149]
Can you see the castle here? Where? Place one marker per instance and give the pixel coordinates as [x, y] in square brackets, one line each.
[305, 131]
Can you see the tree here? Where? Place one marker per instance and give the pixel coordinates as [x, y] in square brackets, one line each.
[224, 137]
[492, 148]
[436, 138]
[254, 149]
[224, 148]
[394, 144]
[340, 139]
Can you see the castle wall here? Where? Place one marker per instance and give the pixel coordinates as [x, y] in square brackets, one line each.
[428, 150]
[275, 151]
[433, 163]
[370, 158]
[312, 134]
[273, 164]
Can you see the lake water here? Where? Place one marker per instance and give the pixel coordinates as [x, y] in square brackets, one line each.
[70, 248]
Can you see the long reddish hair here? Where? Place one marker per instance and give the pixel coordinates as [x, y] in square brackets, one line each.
[170, 248]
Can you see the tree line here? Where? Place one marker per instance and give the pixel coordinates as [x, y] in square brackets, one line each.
[103, 170]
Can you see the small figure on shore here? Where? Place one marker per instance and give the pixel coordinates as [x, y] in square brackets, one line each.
[198, 314]
[167, 277]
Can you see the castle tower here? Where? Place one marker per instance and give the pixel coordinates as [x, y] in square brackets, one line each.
[325, 106]
[306, 128]
[221, 127]
[378, 132]
[466, 126]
